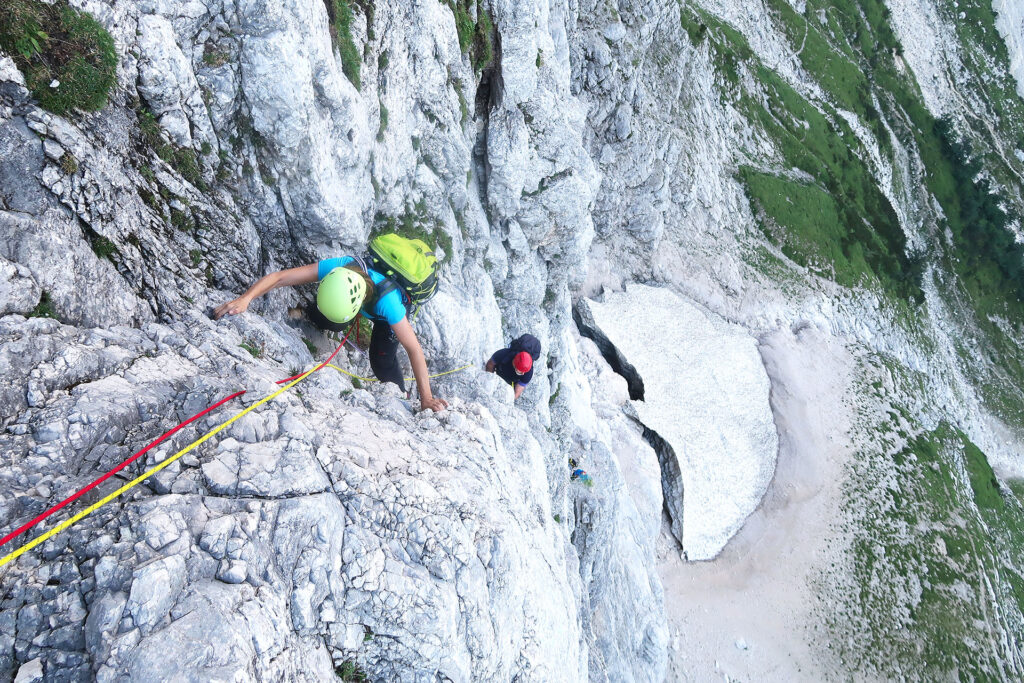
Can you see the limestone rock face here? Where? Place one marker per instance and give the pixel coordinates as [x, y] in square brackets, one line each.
[335, 526]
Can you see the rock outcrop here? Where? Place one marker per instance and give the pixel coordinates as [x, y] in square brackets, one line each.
[333, 527]
[550, 151]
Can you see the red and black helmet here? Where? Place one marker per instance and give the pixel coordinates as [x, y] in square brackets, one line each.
[522, 362]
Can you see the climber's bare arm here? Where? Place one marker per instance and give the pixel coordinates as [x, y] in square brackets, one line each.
[282, 278]
[407, 338]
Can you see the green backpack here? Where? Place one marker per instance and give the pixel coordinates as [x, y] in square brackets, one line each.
[406, 264]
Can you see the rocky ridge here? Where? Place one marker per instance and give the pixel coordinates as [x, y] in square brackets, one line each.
[336, 527]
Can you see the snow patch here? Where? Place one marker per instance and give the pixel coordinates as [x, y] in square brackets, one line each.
[706, 394]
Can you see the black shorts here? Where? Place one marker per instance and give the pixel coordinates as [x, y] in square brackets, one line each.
[383, 346]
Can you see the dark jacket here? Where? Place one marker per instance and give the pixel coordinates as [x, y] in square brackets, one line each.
[502, 359]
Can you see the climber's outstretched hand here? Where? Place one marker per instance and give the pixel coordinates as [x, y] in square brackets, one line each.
[233, 307]
[434, 403]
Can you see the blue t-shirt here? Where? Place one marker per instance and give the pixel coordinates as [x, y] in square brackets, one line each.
[389, 308]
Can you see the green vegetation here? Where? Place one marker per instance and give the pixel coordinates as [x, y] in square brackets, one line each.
[214, 57]
[558, 518]
[382, 61]
[44, 309]
[869, 235]
[848, 225]
[256, 351]
[340, 12]
[58, 44]
[475, 38]
[68, 163]
[350, 672]
[101, 246]
[984, 273]
[383, 122]
[182, 220]
[309, 345]
[979, 224]
[463, 105]
[181, 159]
[825, 53]
[482, 52]
[196, 257]
[985, 55]
[937, 550]
[464, 25]
[935, 544]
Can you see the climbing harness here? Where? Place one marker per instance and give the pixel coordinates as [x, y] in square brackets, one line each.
[363, 353]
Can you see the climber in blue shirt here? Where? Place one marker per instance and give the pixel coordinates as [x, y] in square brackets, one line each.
[350, 290]
[514, 364]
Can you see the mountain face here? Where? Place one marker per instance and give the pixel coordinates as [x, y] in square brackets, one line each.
[770, 249]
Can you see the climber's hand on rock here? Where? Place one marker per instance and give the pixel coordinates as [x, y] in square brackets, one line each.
[490, 366]
[234, 307]
[435, 404]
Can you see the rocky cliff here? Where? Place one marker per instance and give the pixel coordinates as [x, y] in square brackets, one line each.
[762, 244]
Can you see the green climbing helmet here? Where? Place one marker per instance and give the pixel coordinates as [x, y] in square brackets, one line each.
[341, 295]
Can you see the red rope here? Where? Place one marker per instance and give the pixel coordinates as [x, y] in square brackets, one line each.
[70, 499]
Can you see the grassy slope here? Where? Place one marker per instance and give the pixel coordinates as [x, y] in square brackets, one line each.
[852, 230]
[936, 548]
[937, 544]
[850, 50]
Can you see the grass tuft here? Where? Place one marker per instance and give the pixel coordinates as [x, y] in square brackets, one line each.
[350, 672]
[101, 246]
[256, 351]
[44, 309]
[341, 36]
[68, 58]
[68, 163]
[383, 122]
[182, 220]
[476, 38]
[184, 160]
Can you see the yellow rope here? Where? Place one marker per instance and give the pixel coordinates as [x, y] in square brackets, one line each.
[141, 478]
[407, 379]
[138, 480]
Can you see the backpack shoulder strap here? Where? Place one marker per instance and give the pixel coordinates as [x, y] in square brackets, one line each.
[386, 286]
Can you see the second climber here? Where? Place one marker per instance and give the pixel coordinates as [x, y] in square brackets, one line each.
[514, 364]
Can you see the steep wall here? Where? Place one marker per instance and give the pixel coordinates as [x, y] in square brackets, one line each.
[332, 528]
[752, 159]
